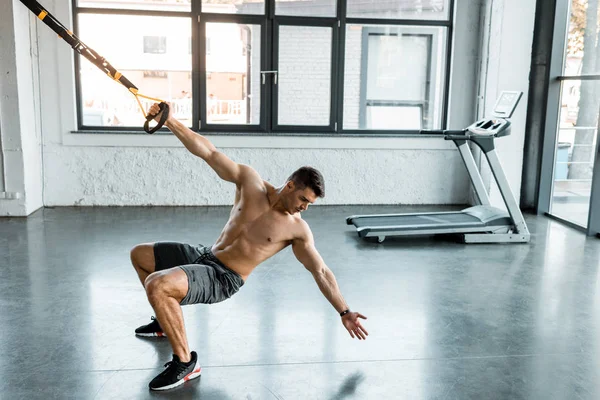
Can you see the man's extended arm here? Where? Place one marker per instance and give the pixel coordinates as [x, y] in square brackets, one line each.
[203, 148]
[305, 251]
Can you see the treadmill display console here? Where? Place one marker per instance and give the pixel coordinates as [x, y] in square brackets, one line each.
[506, 104]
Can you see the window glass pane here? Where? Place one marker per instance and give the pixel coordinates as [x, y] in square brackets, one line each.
[308, 8]
[155, 44]
[394, 77]
[575, 151]
[233, 6]
[304, 78]
[582, 41]
[399, 9]
[164, 72]
[233, 83]
[162, 5]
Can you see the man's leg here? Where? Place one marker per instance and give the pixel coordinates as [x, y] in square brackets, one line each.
[165, 290]
[142, 258]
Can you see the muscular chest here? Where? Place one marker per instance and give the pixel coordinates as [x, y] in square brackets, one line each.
[260, 225]
[269, 227]
[253, 218]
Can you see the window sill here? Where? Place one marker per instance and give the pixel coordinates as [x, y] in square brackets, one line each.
[99, 138]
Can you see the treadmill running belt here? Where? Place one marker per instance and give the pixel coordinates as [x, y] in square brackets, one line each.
[424, 220]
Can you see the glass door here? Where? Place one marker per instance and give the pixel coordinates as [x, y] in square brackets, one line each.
[571, 140]
[574, 154]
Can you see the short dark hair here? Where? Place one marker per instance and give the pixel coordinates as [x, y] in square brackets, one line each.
[309, 177]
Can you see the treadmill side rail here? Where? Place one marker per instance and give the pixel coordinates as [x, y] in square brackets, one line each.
[498, 238]
[372, 231]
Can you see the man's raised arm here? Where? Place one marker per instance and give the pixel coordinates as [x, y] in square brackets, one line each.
[200, 146]
[305, 251]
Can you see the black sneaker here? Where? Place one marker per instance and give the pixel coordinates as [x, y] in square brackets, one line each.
[152, 329]
[176, 373]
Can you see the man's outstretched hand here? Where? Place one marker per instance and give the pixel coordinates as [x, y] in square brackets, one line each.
[353, 325]
[155, 110]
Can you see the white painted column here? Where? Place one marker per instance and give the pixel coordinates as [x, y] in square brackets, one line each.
[21, 178]
[506, 65]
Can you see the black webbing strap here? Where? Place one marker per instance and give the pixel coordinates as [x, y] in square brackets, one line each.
[95, 59]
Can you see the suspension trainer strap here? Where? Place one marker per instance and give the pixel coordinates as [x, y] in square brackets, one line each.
[94, 58]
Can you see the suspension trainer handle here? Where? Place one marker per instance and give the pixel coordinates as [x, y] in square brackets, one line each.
[164, 109]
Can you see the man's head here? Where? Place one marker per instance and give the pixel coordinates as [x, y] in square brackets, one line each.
[303, 187]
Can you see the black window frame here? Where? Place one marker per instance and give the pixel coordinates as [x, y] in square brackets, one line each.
[270, 23]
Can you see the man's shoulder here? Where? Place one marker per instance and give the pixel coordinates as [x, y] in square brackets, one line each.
[249, 177]
[247, 172]
[301, 229]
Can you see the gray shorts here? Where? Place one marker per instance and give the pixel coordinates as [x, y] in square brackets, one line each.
[209, 280]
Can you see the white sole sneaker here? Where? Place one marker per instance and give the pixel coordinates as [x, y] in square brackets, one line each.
[153, 334]
[192, 375]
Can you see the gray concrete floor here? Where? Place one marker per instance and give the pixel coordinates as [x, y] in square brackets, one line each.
[571, 201]
[446, 320]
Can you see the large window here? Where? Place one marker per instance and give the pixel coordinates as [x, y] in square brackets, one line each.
[232, 73]
[399, 83]
[151, 51]
[301, 66]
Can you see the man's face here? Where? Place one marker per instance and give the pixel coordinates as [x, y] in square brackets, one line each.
[300, 199]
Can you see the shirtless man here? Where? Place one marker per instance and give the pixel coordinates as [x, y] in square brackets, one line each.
[263, 221]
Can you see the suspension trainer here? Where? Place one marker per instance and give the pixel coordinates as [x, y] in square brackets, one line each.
[99, 62]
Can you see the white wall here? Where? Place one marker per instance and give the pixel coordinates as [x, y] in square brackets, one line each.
[171, 176]
[93, 169]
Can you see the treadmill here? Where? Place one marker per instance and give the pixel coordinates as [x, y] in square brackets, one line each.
[478, 224]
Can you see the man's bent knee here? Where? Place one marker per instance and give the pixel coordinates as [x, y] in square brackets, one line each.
[172, 283]
[142, 256]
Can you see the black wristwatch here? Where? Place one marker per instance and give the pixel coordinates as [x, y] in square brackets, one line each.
[344, 312]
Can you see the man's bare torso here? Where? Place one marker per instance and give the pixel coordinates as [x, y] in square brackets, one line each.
[255, 230]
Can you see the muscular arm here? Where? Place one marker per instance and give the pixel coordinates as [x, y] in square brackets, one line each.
[200, 146]
[305, 251]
